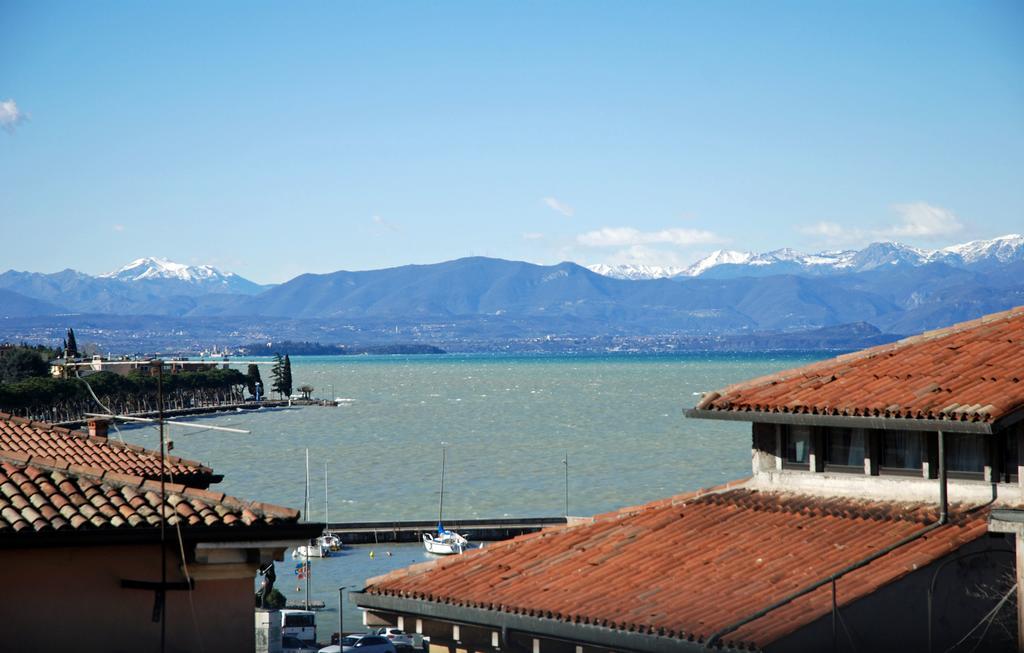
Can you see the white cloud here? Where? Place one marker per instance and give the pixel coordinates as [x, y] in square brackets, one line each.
[644, 255]
[118, 227]
[627, 236]
[533, 235]
[922, 220]
[381, 222]
[918, 220]
[559, 206]
[11, 115]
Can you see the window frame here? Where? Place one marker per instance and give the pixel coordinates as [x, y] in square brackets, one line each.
[791, 465]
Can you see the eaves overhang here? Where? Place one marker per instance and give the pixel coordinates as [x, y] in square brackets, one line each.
[590, 634]
[847, 421]
[298, 533]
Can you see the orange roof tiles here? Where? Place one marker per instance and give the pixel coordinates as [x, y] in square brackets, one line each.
[38, 439]
[41, 498]
[970, 372]
[686, 568]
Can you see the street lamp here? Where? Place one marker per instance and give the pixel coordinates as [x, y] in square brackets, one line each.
[341, 614]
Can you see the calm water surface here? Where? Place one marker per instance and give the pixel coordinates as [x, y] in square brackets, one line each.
[508, 423]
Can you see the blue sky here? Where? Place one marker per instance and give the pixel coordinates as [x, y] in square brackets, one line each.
[272, 139]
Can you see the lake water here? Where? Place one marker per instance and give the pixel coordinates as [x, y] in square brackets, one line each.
[507, 422]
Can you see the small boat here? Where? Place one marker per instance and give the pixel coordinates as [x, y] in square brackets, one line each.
[321, 547]
[318, 548]
[444, 542]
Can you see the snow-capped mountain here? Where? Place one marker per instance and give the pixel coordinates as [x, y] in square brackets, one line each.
[161, 268]
[635, 272]
[209, 278]
[730, 263]
[1005, 249]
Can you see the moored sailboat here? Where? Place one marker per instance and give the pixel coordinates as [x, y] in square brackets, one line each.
[444, 542]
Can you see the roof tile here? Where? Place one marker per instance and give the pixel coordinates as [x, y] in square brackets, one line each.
[688, 567]
[24, 440]
[968, 372]
[41, 498]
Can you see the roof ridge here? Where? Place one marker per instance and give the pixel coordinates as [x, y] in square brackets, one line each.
[49, 428]
[118, 479]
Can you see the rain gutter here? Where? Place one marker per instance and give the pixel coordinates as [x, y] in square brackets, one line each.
[848, 421]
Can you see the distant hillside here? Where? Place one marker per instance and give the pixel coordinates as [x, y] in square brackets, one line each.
[486, 300]
[316, 349]
[14, 304]
[977, 255]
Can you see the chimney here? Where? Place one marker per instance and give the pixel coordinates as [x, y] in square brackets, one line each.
[98, 428]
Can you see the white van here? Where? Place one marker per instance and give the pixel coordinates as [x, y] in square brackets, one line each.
[300, 624]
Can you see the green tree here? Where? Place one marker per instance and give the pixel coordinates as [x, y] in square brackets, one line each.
[72, 346]
[306, 390]
[286, 377]
[19, 363]
[252, 378]
[277, 374]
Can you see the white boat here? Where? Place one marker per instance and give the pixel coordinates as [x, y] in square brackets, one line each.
[318, 548]
[444, 542]
[321, 547]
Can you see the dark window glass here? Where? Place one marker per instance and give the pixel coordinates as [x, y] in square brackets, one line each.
[798, 444]
[902, 449]
[845, 447]
[1010, 456]
[965, 452]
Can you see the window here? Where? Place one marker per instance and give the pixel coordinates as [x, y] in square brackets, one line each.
[796, 445]
[966, 455]
[1009, 456]
[845, 449]
[902, 452]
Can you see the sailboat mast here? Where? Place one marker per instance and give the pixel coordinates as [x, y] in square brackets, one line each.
[327, 518]
[309, 544]
[440, 503]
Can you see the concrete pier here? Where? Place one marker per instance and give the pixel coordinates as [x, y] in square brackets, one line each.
[480, 530]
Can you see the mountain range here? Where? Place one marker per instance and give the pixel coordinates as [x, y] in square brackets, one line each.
[974, 255]
[885, 286]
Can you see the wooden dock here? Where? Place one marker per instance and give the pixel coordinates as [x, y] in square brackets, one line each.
[480, 530]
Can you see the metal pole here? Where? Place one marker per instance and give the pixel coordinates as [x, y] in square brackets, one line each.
[162, 593]
[566, 461]
[943, 499]
[309, 544]
[1020, 591]
[440, 503]
[835, 609]
[341, 613]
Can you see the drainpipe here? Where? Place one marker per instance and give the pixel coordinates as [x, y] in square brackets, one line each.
[715, 639]
[943, 498]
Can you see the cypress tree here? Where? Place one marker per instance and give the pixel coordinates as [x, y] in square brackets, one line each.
[252, 377]
[72, 346]
[286, 376]
[277, 373]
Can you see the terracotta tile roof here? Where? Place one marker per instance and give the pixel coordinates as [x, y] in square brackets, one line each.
[39, 498]
[689, 566]
[39, 439]
[971, 372]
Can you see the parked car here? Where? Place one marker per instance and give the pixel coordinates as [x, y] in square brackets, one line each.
[290, 644]
[396, 635]
[361, 644]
